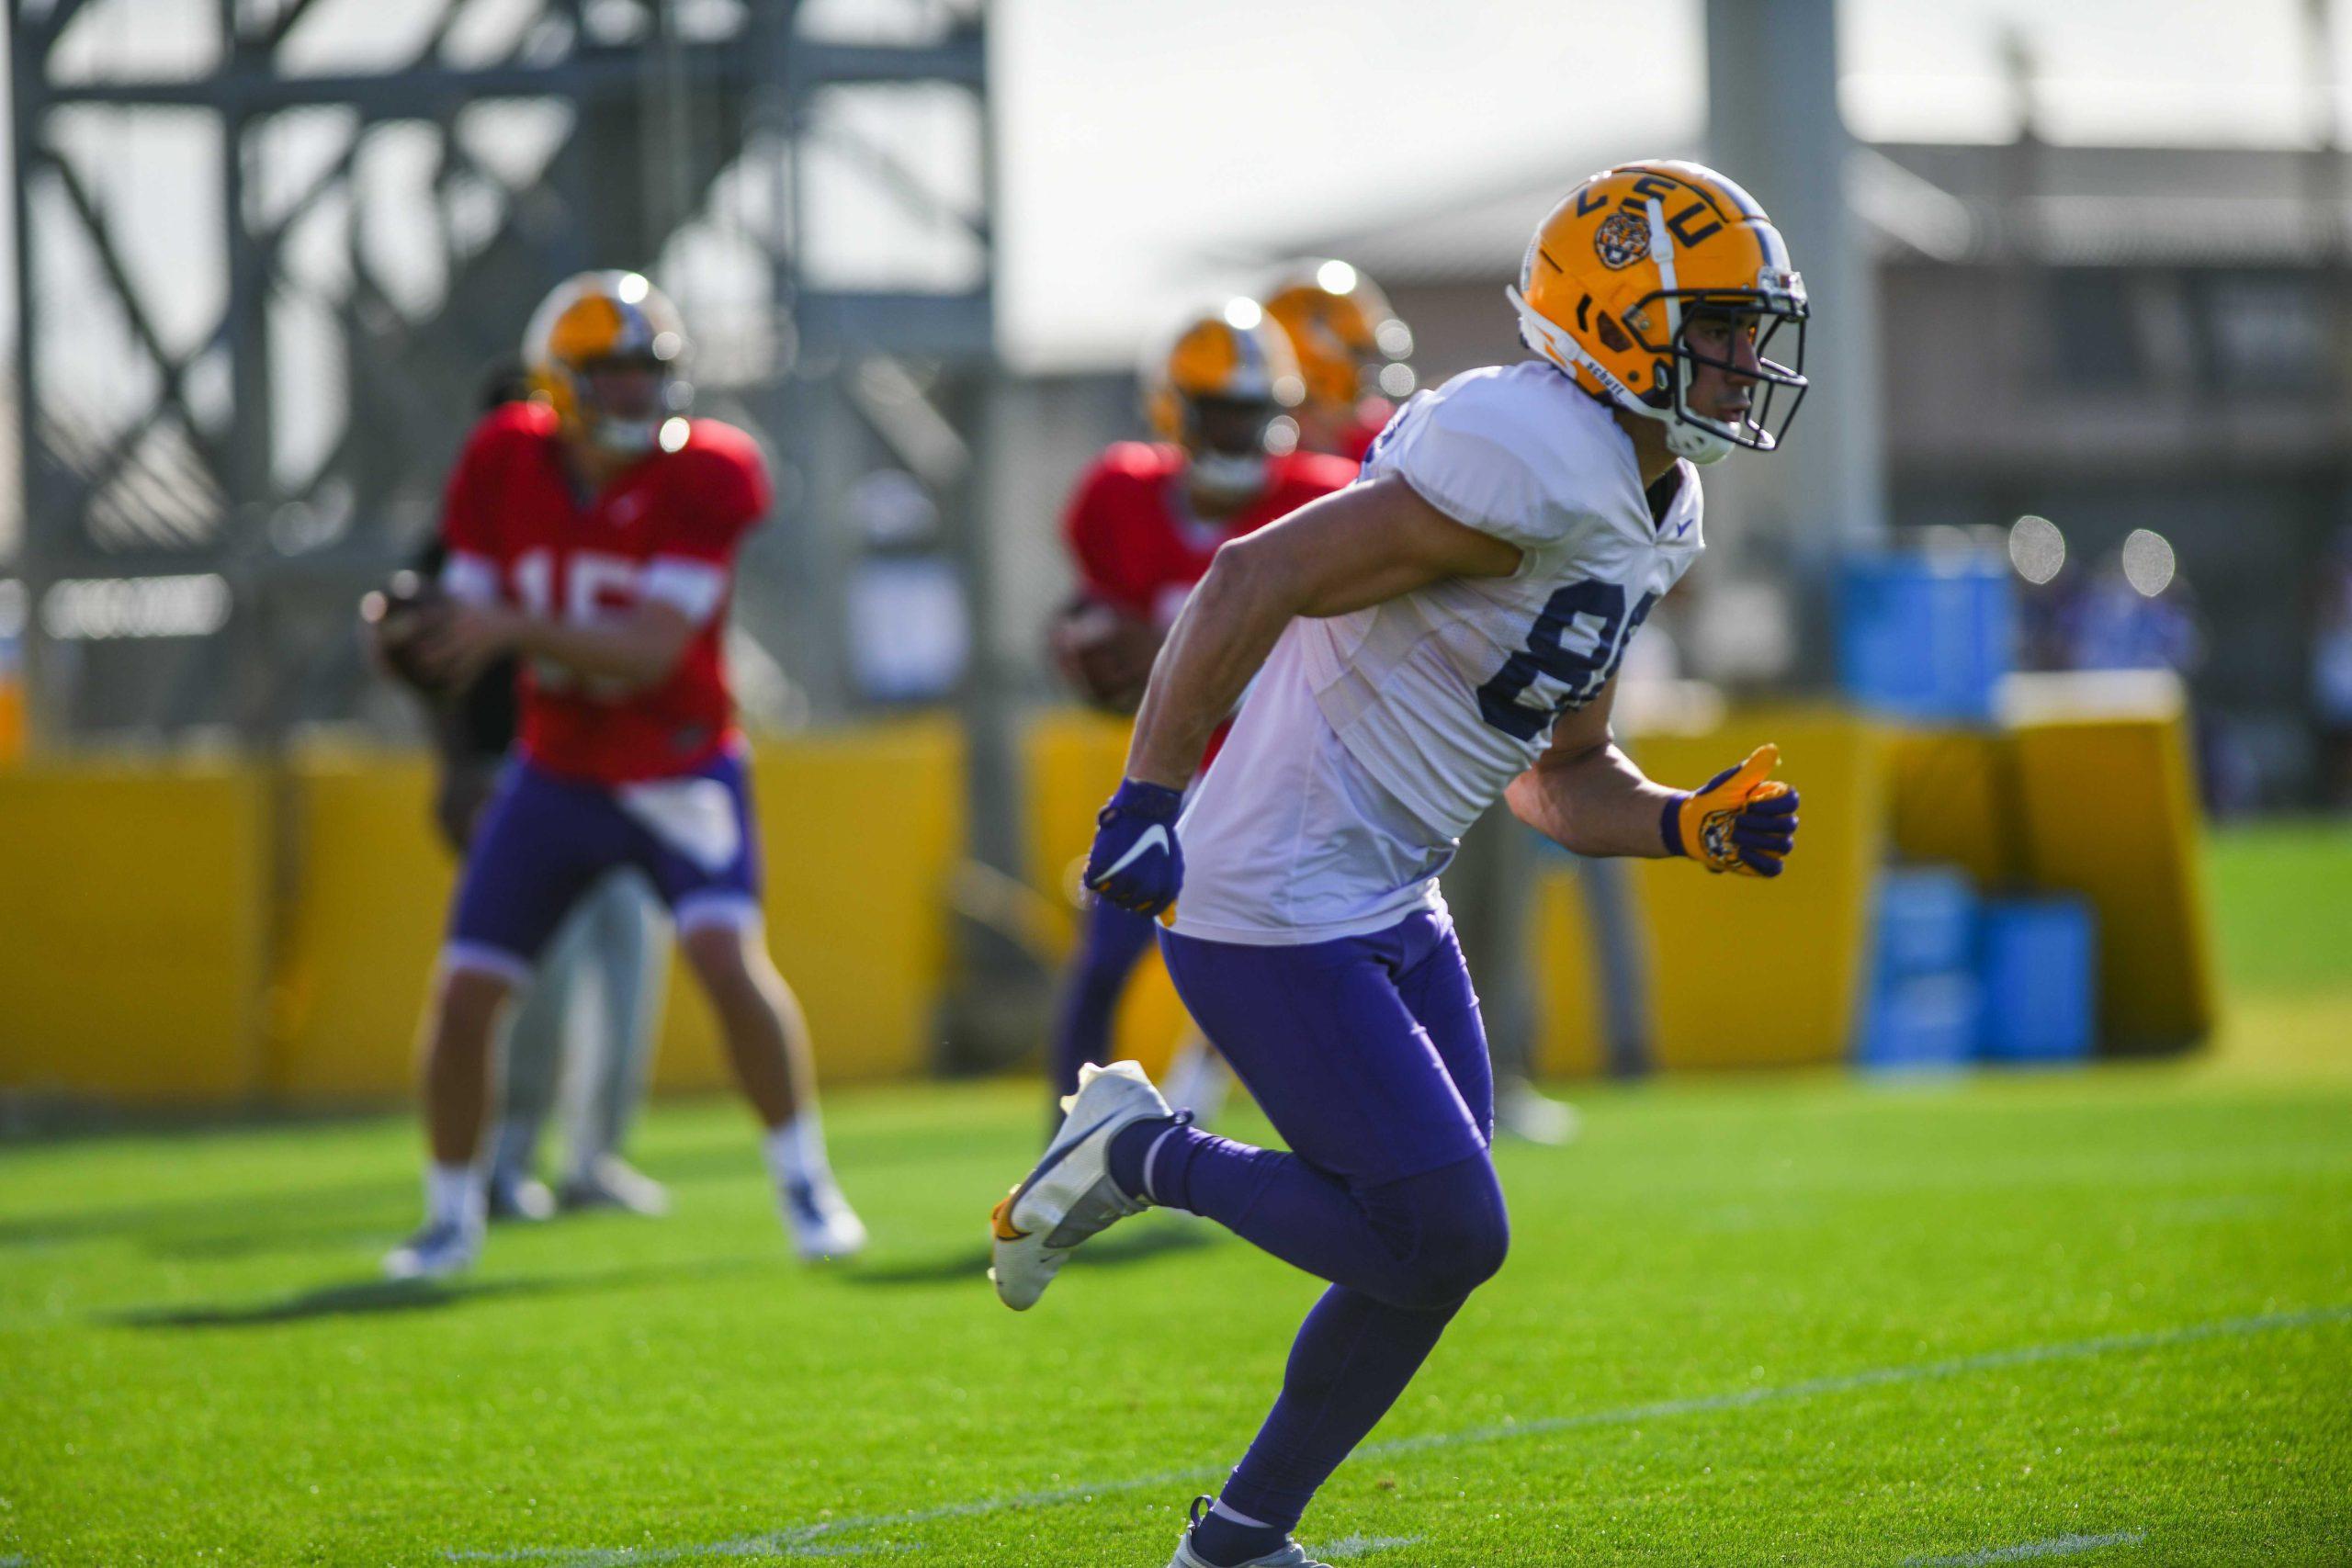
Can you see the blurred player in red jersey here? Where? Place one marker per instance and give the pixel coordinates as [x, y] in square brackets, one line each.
[1142, 526]
[1352, 350]
[591, 531]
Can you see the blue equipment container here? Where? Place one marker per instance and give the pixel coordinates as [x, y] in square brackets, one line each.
[1922, 1021]
[1924, 922]
[2039, 958]
[1924, 1008]
[1927, 634]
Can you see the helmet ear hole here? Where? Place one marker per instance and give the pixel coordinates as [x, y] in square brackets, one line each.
[1612, 336]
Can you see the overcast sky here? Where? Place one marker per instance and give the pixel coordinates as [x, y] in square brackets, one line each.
[1141, 137]
[1143, 140]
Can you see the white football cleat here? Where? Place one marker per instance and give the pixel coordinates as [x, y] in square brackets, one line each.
[609, 1181]
[441, 1248]
[1527, 1113]
[1069, 1195]
[822, 1223]
[512, 1195]
[1289, 1554]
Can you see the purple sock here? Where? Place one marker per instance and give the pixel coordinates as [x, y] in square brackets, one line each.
[1353, 1357]
[1130, 1149]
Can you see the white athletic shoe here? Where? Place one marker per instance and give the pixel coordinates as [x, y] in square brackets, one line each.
[1289, 1556]
[1525, 1112]
[821, 1222]
[611, 1182]
[441, 1248]
[1069, 1195]
[512, 1195]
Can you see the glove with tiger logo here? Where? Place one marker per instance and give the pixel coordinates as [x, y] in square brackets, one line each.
[1741, 820]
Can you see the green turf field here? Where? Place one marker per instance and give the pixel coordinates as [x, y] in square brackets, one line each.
[2100, 1316]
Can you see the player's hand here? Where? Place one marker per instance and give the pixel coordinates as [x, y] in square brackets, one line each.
[1135, 862]
[1739, 821]
[460, 641]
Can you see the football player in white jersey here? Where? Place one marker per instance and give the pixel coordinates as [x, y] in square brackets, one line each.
[1442, 633]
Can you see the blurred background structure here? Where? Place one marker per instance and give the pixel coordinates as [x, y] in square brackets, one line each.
[268, 250]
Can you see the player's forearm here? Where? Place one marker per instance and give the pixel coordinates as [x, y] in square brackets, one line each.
[635, 649]
[1593, 802]
[1216, 646]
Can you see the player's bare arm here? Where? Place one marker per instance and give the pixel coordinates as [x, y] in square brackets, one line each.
[638, 645]
[1584, 794]
[1364, 546]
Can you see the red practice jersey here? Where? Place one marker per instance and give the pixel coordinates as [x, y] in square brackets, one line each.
[1137, 544]
[1135, 540]
[667, 529]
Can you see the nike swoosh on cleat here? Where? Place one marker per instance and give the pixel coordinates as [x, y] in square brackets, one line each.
[1000, 1219]
[1055, 1159]
[1155, 839]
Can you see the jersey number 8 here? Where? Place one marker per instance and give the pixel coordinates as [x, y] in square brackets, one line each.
[1580, 674]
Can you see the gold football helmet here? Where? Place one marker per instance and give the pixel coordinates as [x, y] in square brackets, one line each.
[1349, 344]
[604, 320]
[1218, 389]
[1617, 273]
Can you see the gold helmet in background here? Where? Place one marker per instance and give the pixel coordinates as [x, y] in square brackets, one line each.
[1218, 390]
[1350, 344]
[603, 320]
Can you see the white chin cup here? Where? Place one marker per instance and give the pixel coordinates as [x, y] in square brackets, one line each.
[1696, 443]
[1230, 473]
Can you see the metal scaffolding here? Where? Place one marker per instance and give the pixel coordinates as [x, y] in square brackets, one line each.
[269, 250]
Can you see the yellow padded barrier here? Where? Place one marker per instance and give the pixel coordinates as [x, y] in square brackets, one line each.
[1564, 962]
[369, 888]
[12, 721]
[1074, 761]
[2087, 789]
[1952, 798]
[2109, 811]
[133, 931]
[1751, 973]
[861, 830]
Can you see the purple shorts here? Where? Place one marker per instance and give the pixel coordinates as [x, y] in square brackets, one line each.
[1366, 1053]
[544, 840]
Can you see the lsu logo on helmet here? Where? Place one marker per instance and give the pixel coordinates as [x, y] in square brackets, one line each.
[1618, 272]
[1621, 240]
[598, 319]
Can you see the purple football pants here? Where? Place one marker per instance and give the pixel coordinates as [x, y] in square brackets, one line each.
[1367, 1055]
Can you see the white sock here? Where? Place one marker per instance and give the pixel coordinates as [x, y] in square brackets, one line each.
[454, 1193]
[796, 1151]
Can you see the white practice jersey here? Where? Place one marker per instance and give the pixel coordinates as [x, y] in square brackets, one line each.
[1371, 740]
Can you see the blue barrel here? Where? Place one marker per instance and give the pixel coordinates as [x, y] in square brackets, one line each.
[1924, 922]
[2039, 960]
[1922, 1021]
[1927, 634]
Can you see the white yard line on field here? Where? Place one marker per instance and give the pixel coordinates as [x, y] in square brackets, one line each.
[780, 1542]
[2060, 1546]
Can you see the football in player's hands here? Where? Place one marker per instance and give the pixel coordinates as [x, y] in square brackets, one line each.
[1103, 652]
[394, 617]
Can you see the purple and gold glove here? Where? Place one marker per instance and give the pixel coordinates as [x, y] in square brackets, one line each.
[1740, 821]
[1135, 862]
